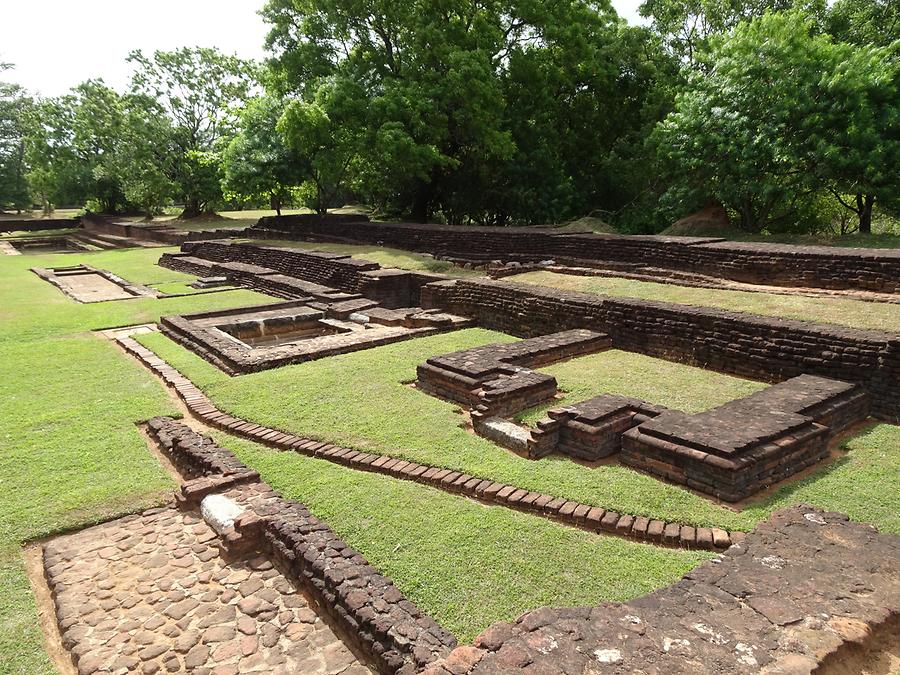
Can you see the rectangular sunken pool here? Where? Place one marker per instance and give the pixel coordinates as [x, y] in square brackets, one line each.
[258, 338]
[86, 284]
[42, 245]
[286, 329]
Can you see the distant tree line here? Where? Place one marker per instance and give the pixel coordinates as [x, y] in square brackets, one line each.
[497, 112]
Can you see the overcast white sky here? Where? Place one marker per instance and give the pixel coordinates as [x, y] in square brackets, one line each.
[55, 44]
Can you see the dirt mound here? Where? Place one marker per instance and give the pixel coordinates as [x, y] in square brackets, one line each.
[710, 221]
[587, 224]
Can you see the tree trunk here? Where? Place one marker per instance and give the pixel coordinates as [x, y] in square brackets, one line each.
[864, 207]
[422, 202]
[191, 209]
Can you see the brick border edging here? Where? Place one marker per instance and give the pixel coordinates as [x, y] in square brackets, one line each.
[398, 636]
[569, 512]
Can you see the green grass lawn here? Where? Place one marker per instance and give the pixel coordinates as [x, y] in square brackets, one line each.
[853, 313]
[466, 564]
[71, 455]
[360, 400]
[665, 383]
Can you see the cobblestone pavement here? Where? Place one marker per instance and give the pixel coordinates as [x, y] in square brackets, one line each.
[151, 594]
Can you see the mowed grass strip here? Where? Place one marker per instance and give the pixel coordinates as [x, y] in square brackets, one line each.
[70, 453]
[32, 308]
[466, 564]
[361, 401]
[840, 311]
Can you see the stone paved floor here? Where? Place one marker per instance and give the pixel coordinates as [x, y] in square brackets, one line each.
[150, 594]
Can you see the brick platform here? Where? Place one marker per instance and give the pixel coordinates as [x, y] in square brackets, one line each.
[744, 446]
[592, 429]
[497, 379]
[801, 587]
[252, 339]
[746, 345]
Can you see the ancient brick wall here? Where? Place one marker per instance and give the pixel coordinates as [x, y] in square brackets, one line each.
[390, 288]
[774, 264]
[32, 225]
[329, 269]
[746, 345]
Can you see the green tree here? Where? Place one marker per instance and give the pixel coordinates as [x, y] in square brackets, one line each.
[15, 106]
[470, 106]
[865, 22]
[201, 89]
[324, 136]
[688, 25]
[782, 115]
[852, 142]
[258, 164]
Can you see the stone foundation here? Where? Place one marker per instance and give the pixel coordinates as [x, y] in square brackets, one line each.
[497, 379]
[252, 339]
[87, 284]
[397, 635]
[742, 447]
[745, 345]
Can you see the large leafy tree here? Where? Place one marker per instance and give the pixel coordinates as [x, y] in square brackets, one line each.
[865, 22]
[782, 115]
[202, 90]
[15, 106]
[95, 145]
[325, 137]
[471, 107]
[258, 164]
[687, 26]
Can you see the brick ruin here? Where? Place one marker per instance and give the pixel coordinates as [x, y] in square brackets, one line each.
[285, 271]
[257, 338]
[745, 345]
[394, 633]
[86, 284]
[830, 377]
[799, 594]
[731, 452]
[742, 447]
[784, 597]
[785, 265]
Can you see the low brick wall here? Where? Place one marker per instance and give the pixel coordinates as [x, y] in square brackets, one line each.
[389, 287]
[396, 634]
[759, 263]
[38, 225]
[745, 345]
[161, 234]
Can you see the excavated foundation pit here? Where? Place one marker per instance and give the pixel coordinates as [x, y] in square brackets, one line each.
[280, 330]
[87, 284]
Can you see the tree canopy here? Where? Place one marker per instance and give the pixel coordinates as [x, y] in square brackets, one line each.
[498, 112]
